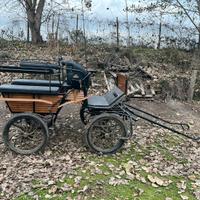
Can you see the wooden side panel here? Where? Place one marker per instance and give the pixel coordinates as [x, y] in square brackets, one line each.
[45, 108]
[16, 106]
[37, 107]
[75, 95]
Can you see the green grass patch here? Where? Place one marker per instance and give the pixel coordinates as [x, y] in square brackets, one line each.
[98, 185]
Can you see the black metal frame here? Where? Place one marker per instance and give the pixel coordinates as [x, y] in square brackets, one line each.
[132, 114]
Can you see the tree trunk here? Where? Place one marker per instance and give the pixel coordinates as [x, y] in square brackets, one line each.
[192, 85]
[28, 32]
[199, 41]
[35, 34]
[77, 20]
[36, 37]
[193, 79]
[57, 28]
[159, 35]
[117, 23]
[34, 11]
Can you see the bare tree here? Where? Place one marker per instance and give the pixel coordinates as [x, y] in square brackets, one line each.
[190, 9]
[197, 11]
[34, 10]
[194, 74]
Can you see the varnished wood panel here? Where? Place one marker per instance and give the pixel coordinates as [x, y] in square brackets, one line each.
[45, 108]
[75, 95]
[37, 107]
[16, 106]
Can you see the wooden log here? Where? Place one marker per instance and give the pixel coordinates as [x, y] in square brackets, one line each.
[106, 81]
[152, 91]
[113, 74]
[131, 89]
[140, 96]
[122, 82]
[142, 89]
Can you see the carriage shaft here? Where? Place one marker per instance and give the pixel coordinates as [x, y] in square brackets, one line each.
[159, 121]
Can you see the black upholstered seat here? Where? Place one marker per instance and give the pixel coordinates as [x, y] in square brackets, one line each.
[36, 82]
[106, 101]
[27, 63]
[30, 82]
[29, 89]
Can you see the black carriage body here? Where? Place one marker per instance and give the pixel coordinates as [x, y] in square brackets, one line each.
[77, 76]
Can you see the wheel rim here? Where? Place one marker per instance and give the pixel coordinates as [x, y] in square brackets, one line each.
[26, 134]
[105, 134]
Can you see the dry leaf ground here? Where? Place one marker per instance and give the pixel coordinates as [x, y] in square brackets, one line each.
[154, 165]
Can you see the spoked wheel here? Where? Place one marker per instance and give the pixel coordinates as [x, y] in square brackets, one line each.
[25, 134]
[105, 134]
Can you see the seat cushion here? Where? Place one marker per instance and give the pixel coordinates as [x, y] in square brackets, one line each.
[99, 101]
[27, 63]
[106, 101]
[29, 89]
[36, 82]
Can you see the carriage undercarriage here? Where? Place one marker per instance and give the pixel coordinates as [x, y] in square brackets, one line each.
[35, 105]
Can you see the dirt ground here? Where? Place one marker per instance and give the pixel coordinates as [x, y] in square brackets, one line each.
[66, 152]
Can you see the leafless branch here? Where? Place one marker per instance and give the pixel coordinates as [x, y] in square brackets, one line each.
[188, 15]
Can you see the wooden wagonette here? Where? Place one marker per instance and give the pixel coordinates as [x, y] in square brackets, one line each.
[35, 105]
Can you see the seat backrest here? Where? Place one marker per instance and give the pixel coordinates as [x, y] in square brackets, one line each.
[76, 76]
[113, 95]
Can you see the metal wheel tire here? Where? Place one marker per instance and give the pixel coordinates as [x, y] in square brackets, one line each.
[104, 135]
[25, 133]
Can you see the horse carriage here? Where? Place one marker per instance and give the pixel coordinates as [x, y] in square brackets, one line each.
[36, 103]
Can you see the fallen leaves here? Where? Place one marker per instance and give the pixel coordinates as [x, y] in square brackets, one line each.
[118, 181]
[85, 188]
[65, 156]
[77, 180]
[181, 186]
[53, 189]
[183, 197]
[128, 167]
[138, 192]
[156, 181]
[66, 188]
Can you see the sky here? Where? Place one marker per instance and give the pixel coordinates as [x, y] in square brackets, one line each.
[99, 10]
[115, 8]
[102, 10]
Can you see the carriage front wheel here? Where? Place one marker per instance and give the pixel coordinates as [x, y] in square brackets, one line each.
[105, 134]
[25, 133]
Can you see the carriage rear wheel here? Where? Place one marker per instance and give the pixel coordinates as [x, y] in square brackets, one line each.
[105, 134]
[25, 133]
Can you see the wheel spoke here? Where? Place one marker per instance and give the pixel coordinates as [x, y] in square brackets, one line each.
[19, 127]
[25, 133]
[15, 135]
[104, 134]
